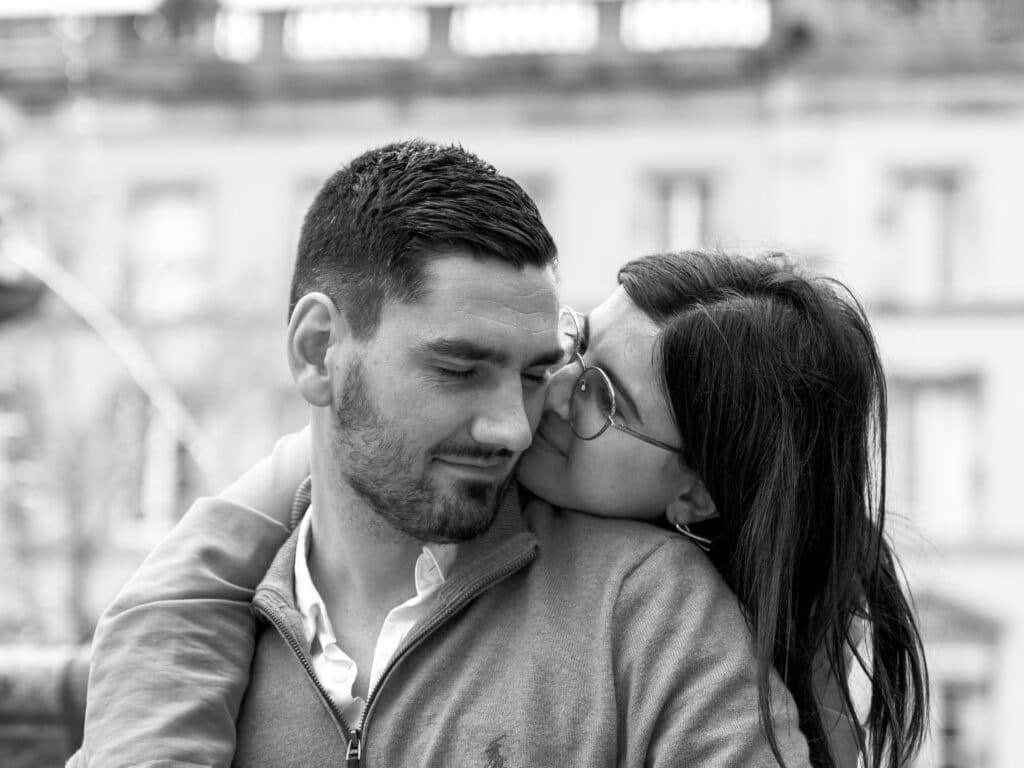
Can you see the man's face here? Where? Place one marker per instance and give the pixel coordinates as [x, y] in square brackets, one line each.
[435, 409]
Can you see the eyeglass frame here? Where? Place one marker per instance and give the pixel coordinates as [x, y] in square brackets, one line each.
[576, 356]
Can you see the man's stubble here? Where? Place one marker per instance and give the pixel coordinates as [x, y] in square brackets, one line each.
[377, 466]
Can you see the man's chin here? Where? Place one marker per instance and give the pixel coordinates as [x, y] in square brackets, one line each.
[469, 511]
[463, 530]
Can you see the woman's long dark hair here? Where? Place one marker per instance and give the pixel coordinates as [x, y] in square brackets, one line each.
[778, 392]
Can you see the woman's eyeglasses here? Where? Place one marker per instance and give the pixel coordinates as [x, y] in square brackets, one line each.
[592, 403]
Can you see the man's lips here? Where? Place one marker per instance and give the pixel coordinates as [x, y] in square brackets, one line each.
[467, 461]
[491, 465]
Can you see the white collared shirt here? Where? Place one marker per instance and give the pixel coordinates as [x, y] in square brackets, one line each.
[334, 668]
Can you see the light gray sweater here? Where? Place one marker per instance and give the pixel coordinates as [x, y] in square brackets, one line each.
[558, 639]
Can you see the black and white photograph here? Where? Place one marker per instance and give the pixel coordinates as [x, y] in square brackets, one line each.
[511, 383]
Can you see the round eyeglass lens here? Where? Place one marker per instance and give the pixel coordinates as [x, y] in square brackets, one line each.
[590, 408]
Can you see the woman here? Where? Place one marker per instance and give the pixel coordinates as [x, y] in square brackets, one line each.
[743, 404]
[776, 391]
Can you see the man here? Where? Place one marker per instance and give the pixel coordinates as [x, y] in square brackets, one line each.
[417, 616]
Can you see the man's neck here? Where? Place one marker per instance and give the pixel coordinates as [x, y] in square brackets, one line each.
[357, 561]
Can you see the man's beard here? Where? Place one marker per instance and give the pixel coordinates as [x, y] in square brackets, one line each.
[379, 469]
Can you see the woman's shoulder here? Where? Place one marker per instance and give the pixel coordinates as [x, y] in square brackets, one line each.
[617, 544]
[546, 520]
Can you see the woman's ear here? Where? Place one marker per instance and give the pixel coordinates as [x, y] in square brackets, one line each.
[314, 329]
[692, 504]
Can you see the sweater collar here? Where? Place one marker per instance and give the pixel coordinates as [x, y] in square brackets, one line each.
[506, 542]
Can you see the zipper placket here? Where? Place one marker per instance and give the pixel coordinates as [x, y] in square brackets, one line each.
[351, 736]
[354, 736]
[424, 631]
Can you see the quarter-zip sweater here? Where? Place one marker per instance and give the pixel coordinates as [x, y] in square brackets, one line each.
[337, 670]
[557, 640]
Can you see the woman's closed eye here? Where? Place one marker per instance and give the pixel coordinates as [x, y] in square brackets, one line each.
[537, 378]
[583, 343]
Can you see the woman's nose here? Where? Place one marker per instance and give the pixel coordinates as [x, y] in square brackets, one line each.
[561, 386]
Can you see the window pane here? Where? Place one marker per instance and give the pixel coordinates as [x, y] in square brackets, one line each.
[357, 33]
[935, 456]
[964, 733]
[238, 35]
[658, 25]
[303, 196]
[495, 29]
[673, 212]
[685, 214]
[927, 260]
[168, 250]
[160, 479]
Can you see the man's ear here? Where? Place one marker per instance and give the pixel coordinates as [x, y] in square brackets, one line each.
[692, 504]
[315, 328]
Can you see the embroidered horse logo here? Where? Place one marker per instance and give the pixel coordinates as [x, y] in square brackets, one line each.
[493, 754]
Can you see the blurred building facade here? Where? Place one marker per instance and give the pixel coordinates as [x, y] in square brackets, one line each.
[162, 158]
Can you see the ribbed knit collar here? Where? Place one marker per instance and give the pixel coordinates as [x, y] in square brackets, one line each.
[505, 541]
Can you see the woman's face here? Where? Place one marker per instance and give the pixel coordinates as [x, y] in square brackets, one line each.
[615, 474]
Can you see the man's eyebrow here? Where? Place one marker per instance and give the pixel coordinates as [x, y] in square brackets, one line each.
[464, 349]
[471, 351]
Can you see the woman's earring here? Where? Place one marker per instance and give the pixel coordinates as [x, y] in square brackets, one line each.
[701, 541]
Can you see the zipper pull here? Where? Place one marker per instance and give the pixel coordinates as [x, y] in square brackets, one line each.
[354, 751]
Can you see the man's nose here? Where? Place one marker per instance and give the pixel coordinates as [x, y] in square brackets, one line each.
[503, 422]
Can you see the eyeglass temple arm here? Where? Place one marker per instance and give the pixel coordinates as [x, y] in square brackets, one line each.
[645, 438]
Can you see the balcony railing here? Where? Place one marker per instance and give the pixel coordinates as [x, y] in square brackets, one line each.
[327, 49]
[385, 30]
[337, 48]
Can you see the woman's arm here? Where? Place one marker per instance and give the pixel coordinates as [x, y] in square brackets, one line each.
[171, 655]
[839, 727]
[838, 719]
[687, 673]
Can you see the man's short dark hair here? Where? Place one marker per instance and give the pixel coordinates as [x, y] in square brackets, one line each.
[377, 221]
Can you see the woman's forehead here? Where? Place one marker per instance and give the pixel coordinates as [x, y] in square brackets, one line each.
[623, 338]
[617, 321]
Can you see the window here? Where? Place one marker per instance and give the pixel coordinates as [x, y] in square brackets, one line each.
[21, 230]
[27, 42]
[540, 188]
[935, 455]
[14, 443]
[659, 25]
[238, 35]
[963, 644]
[388, 32]
[962, 734]
[303, 194]
[154, 477]
[948, 13]
[677, 212]
[928, 261]
[169, 251]
[25, 510]
[537, 27]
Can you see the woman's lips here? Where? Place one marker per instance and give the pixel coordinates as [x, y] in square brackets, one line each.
[547, 441]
